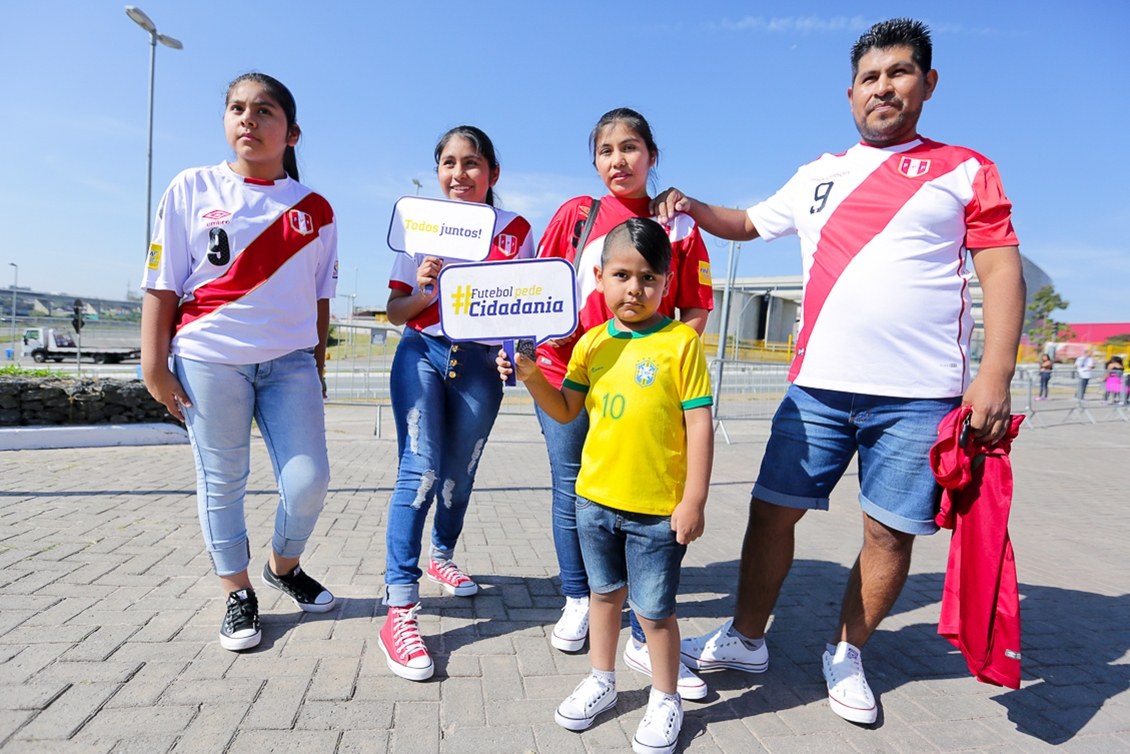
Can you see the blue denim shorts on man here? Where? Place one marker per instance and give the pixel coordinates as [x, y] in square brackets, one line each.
[816, 433]
[635, 549]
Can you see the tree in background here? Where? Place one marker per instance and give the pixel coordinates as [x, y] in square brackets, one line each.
[1041, 327]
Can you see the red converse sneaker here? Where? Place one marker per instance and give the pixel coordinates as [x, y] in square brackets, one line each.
[450, 577]
[403, 646]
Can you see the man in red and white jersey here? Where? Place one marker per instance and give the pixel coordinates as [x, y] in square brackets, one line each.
[886, 229]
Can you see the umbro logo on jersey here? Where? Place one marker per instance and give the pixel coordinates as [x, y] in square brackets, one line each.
[912, 167]
[216, 217]
[301, 221]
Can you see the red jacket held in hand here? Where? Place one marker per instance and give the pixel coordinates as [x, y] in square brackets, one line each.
[980, 601]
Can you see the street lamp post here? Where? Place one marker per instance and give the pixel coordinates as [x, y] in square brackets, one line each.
[15, 287]
[418, 185]
[138, 17]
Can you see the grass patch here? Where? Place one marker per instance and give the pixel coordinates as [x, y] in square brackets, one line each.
[11, 370]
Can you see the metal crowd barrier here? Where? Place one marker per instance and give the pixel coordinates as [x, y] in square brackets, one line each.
[1063, 404]
[747, 390]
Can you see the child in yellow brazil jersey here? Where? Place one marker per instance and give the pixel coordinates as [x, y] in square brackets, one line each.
[645, 470]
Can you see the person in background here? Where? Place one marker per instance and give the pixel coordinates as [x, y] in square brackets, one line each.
[1084, 370]
[1112, 390]
[1046, 367]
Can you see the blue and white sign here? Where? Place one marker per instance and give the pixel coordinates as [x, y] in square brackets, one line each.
[495, 301]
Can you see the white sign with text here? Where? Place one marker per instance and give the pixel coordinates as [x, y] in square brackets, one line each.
[495, 301]
[441, 228]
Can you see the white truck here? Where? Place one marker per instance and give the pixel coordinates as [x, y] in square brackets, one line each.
[43, 343]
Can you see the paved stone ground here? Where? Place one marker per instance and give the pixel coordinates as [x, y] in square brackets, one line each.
[108, 628]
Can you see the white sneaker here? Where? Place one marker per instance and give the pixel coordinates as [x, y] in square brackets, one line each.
[721, 649]
[659, 730]
[638, 659]
[848, 693]
[591, 697]
[573, 625]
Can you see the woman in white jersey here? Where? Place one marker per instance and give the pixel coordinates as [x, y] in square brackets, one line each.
[240, 272]
[445, 397]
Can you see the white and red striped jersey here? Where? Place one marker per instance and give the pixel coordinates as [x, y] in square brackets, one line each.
[884, 235]
[249, 258]
[512, 240]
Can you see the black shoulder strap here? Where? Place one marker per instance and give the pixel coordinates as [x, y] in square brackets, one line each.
[589, 222]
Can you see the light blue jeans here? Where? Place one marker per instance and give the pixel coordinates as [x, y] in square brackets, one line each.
[445, 398]
[564, 443]
[284, 396]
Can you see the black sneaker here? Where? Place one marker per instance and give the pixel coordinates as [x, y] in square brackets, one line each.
[307, 593]
[240, 629]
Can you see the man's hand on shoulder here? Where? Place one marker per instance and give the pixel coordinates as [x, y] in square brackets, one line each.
[724, 222]
[669, 202]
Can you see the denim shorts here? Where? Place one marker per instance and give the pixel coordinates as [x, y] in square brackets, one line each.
[640, 551]
[816, 433]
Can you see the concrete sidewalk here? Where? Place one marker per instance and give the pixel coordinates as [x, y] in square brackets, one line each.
[108, 631]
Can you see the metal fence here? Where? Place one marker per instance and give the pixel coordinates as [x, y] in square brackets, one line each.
[1065, 403]
[359, 366]
[745, 390]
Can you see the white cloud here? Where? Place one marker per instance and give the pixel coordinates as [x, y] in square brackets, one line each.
[818, 24]
[787, 24]
[32, 123]
[948, 28]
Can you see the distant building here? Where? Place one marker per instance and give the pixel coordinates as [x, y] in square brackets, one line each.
[1099, 332]
[31, 303]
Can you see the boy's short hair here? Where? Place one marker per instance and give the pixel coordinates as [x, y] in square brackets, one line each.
[645, 236]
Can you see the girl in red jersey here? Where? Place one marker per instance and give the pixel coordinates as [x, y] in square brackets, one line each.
[240, 272]
[624, 153]
[445, 397]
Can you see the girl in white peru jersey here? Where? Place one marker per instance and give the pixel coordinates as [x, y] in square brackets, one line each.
[240, 271]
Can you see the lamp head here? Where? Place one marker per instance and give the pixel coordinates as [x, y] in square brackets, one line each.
[138, 16]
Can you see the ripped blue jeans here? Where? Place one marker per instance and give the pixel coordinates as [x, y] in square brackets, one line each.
[445, 398]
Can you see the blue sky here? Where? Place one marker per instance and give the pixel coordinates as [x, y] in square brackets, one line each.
[738, 94]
